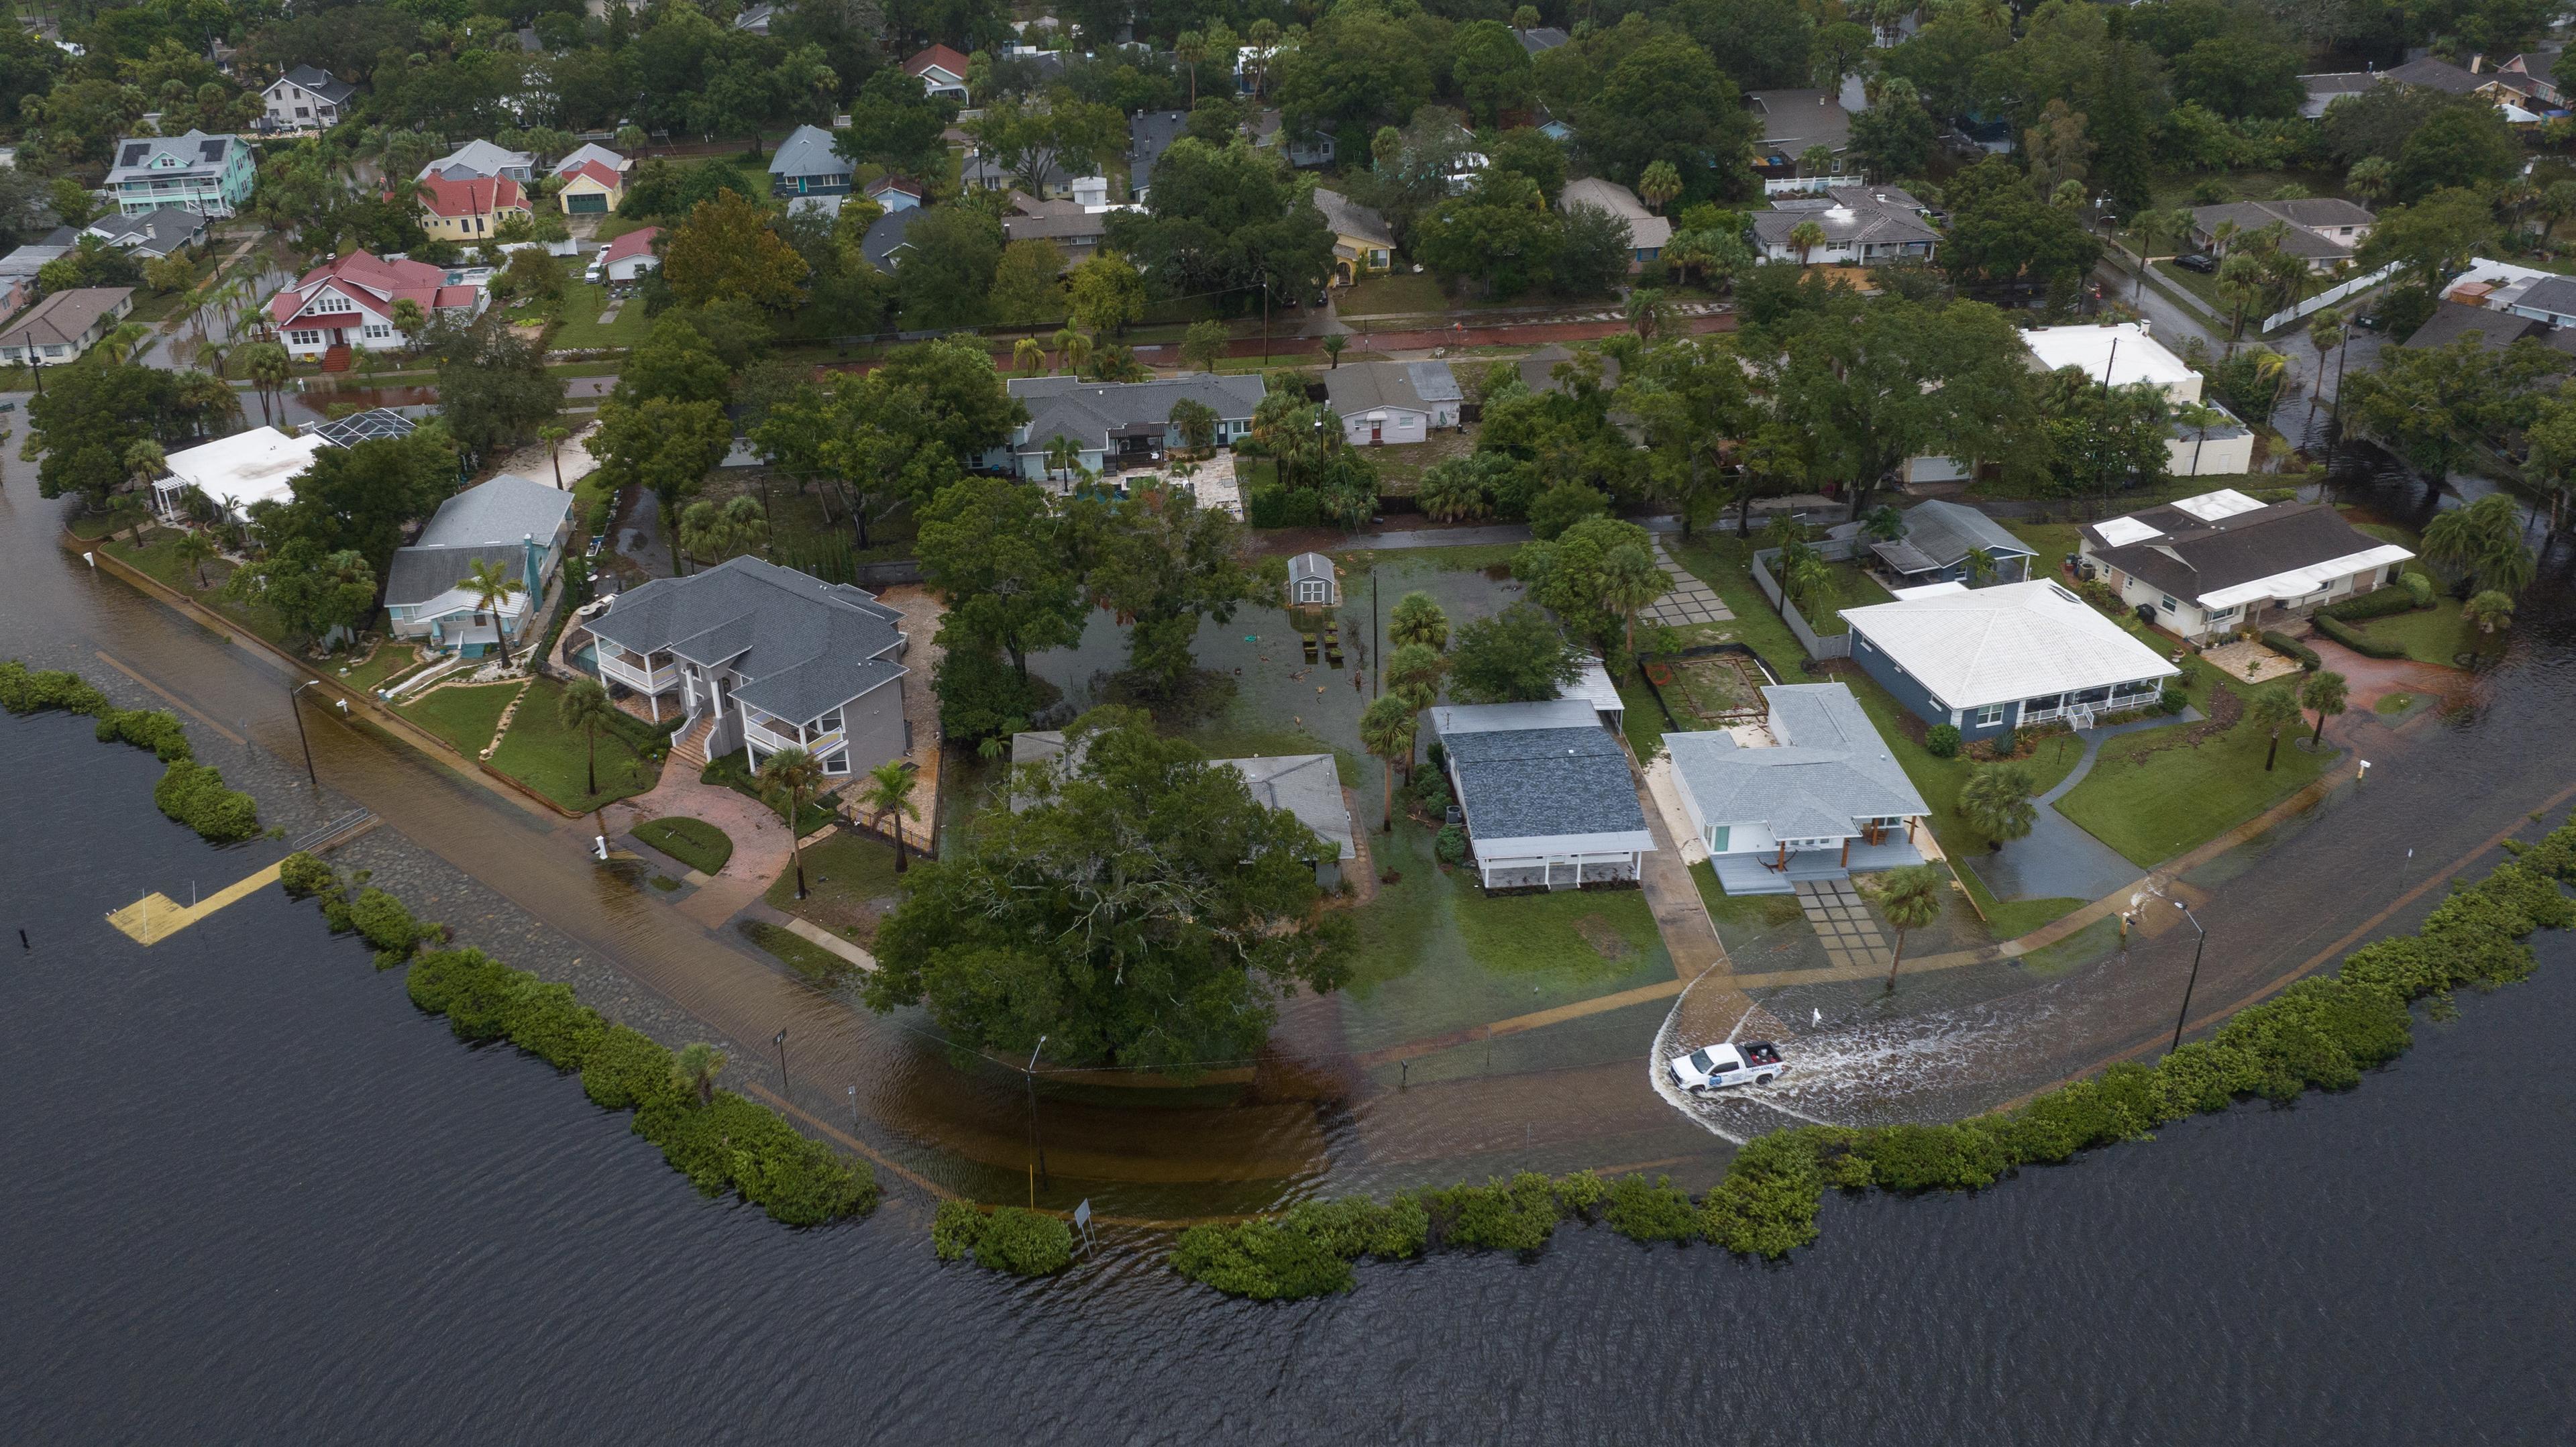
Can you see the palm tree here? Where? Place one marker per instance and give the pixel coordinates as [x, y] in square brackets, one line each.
[1189, 48]
[1630, 581]
[1910, 898]
[711, 532]
[1659, 184]
[1029, 355]
[2199, 417]
[1981, 567]
[144, 461]
[1417, 618]
[888, 795]
[1072, 349]
[2325, 333]
[1806, 236]
[1196, 421]
[122, 343]
[1386, 731]
[1996, 803]
[2273, 710]
[1064, 455]
[2370, 177]
[2483, 541]
[268, 367]
[2327, 693]
[696, 1068]
[550, 436]
[585, 707]
[1334, 342]
[196, 547]
[2491, 610]
[1413, 673]
[492, 583]
[792, 776]
[1647, 311]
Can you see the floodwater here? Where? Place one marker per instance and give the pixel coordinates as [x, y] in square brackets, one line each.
[255, 1196]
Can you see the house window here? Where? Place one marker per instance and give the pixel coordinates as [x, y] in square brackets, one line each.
[2166, 603]
[378, 330]
[838, 763]
[305, 339]
[1990, 715]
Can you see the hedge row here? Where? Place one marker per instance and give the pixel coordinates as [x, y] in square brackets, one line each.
[724, 1143]
[189, 792]
[2319, 1034]
[1007, 1238]
[2289, 647]
[2377, 603]
[2356, 640]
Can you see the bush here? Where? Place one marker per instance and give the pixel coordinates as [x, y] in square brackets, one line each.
[1942, 741]
[2418, 587]
[549, 1022]
[476, 992]
[1262, 1260]
[386, 924]
[732, 1142]
[2289, 647]
[628, 1068]
[1024, 1242]
[23, 691]
[2379, 602]
[955, 1229]
[2007, 743]
[1766, 1205]
[1450, 844]
[2172, 701]
[154, 729]
[305, 876]
[194, 795]
[1933, 1157]
[1660, 1211]
[2356, 640]
[1279, 507]
[1580, 1195]
[1518, 1215]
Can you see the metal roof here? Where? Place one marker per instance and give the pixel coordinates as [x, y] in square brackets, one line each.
[2008, 642]
[1831, 769]
[1307, 786]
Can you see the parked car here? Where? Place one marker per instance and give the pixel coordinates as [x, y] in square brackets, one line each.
[2200, 261]
[1714, 1067]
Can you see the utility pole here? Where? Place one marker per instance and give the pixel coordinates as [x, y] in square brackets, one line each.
[2192, 983]
[1028, 1073]
[1377, 680]
[780, 1040]
[300, 736]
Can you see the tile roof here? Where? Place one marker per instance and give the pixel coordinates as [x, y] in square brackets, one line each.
[1831, 768]
[1978, 646]
[471, 196]
[939, 55]
[503, 510]
[805, 646]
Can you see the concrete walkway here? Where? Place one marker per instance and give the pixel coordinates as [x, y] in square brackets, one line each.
[2057, 859]
[1690, 601]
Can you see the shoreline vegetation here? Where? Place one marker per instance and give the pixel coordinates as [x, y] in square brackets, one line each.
[2319, 1034]
[720, 1140]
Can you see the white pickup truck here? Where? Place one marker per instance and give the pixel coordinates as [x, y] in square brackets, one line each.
[1714, 1067]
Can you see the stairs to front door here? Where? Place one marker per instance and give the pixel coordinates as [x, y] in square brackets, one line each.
[690, 748]
[337, 359]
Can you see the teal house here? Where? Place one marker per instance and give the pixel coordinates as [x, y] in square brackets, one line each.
[210, 175]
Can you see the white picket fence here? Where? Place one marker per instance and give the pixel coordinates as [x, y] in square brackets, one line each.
[2327, 298]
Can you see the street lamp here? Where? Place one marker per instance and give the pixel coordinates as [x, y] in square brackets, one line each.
[780, 1040]
[300, 736]
[2192, 983]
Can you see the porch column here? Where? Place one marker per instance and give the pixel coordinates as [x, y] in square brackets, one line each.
[1846, 851]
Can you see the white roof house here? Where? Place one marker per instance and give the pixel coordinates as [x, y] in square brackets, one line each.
[1987, 659]
[234, 472]
[1828, 799]
[2115, 356]
[1594, 686]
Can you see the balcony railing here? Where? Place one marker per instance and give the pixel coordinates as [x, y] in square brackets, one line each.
[772, 734]
[642, 680]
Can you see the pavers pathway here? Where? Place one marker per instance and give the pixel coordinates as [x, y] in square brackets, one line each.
[1842, 920]
[1690, 602]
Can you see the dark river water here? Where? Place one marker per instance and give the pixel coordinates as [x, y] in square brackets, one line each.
[254, 1196]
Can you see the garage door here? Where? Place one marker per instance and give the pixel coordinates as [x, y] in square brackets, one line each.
[590, 205]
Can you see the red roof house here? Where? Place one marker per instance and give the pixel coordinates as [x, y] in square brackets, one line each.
[350, 302]
[942, 71]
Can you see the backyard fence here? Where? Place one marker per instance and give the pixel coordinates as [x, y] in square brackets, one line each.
[2327, 298]
[1831, 645]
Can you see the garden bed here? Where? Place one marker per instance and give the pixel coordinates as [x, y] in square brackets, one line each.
[694, 842]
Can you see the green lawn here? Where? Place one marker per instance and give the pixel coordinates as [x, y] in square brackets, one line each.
[1392, 294]
[1940, 780]
[1849, 587]
[2012, 918]
[846, 876]
[805, 957]
[581, 329]
[694, 842]
[463, 714]
[2151, 801]
[2436, 635]
[158, 558]
[389, 660]
[553, 760]
[1725, 563]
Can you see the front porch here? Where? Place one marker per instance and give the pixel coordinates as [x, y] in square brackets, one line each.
[1772, 873]
[1572, 871]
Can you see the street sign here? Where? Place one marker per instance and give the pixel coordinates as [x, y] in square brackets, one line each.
[1082, 1222]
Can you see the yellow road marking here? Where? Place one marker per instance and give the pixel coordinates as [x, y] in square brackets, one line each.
[155, 917]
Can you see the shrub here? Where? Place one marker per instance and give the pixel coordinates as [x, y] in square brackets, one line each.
[1279, 507]
[1580, 1195]
[1942, 741]
[2289, 647]
[1766, 1206]
[194, 795]
[2419, 588]
[385, 923]
[1518, 1215]
[1262, 1260]
[1660, 1211]
[2356, 640]
[628, 1068]
[1024, 1242]
[955, 1229]
[305, 875]
[2172, 701]
[23, 691]
[732, 1142]
[1450, 844]
[549, 1022]
[2379, 602]
[1952, 1157]
[154, 729]
[2007, 743]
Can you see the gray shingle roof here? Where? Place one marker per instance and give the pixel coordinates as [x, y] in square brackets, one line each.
[803, 646]
[476, 160]
[1306, 785]
[1945, 531]
[1149, 135]
[321, 83]
[886, 235]
[1363, 386]
[1848, 213]
[154, 233]
[1792, 120]
[2555, 295]
[1088, 412]
[1542, 38]
[1346, 217]
[504, 510]
[2195, 557]
[2434, 74]
[1830, 769]
[807, 151]
[1306, 566]
[419, 574]
[1528, 783]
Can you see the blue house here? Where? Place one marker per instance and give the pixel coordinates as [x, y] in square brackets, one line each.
[510, 521]
[1986, 660]
[1113, 425]
[805, 164]
[210, 175]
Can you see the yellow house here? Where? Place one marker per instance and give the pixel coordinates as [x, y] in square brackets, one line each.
[470, 211]
[594, 181]
[1362, 246]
